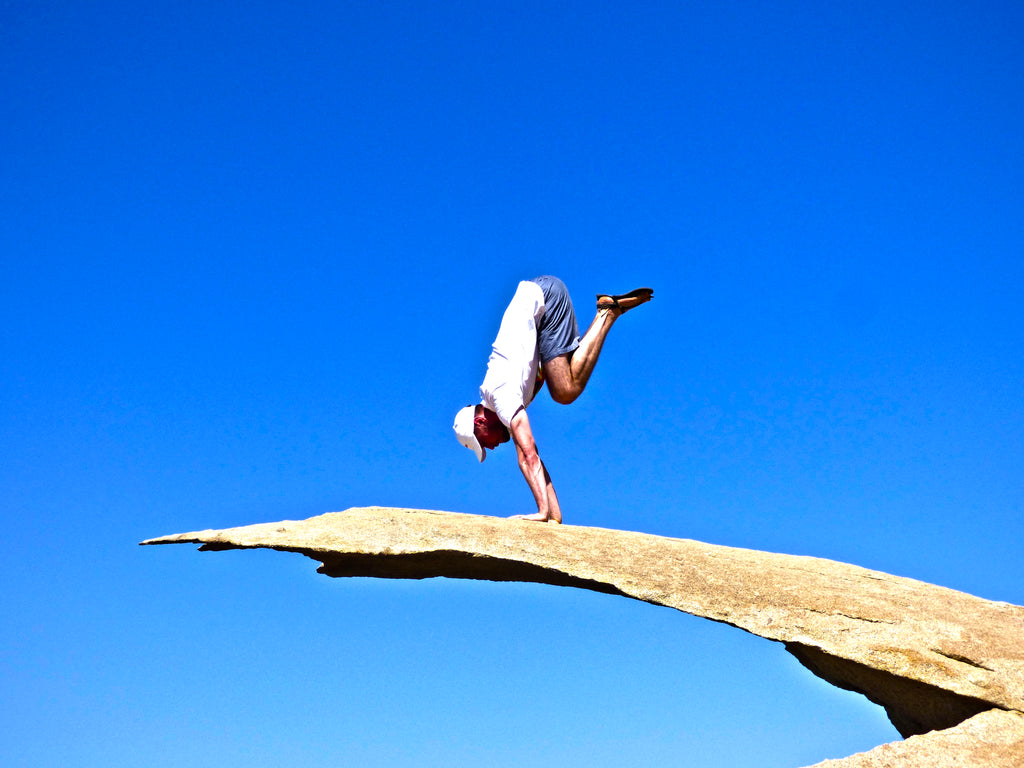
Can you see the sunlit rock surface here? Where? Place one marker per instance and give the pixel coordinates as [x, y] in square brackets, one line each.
[993, 738]
[933, 657]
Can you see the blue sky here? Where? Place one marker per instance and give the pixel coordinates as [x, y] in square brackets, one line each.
[252, 257]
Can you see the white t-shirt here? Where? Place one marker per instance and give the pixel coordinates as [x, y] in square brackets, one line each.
[512, 368]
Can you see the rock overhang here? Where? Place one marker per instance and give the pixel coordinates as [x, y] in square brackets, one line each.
[933, 657]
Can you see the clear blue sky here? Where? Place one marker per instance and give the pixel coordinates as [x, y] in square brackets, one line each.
[252, 257]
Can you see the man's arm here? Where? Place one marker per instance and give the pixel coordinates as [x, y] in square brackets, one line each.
[534, 471]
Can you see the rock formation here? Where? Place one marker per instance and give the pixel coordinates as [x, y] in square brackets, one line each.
[947, 667]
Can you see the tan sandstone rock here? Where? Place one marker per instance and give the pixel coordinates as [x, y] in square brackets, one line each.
[993, 738]
[935, 658]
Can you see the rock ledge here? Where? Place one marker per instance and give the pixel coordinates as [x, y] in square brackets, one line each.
[941, 662]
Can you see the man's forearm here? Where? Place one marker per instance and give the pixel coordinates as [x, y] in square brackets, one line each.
[554, 509]
[537, 478]
[533, 470]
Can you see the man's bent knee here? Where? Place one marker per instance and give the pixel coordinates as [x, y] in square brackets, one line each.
[563, 395]
[558, 376]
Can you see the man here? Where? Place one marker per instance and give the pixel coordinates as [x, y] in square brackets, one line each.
[538, 341]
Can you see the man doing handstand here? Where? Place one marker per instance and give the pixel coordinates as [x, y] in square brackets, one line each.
[538, 341]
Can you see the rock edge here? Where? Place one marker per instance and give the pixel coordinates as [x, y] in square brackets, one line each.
[934, 658]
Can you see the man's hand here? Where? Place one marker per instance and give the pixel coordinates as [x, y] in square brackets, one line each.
[534, 471]
[535, 516]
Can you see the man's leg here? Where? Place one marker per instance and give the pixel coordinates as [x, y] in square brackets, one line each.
[567, 375]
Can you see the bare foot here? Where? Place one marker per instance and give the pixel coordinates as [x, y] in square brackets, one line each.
[625, 301]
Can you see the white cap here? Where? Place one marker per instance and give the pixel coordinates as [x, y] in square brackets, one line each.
[464, 431]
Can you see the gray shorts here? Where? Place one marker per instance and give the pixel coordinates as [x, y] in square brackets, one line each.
[557, 333]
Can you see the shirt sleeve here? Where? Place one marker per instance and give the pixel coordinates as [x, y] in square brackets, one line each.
[512, 369]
